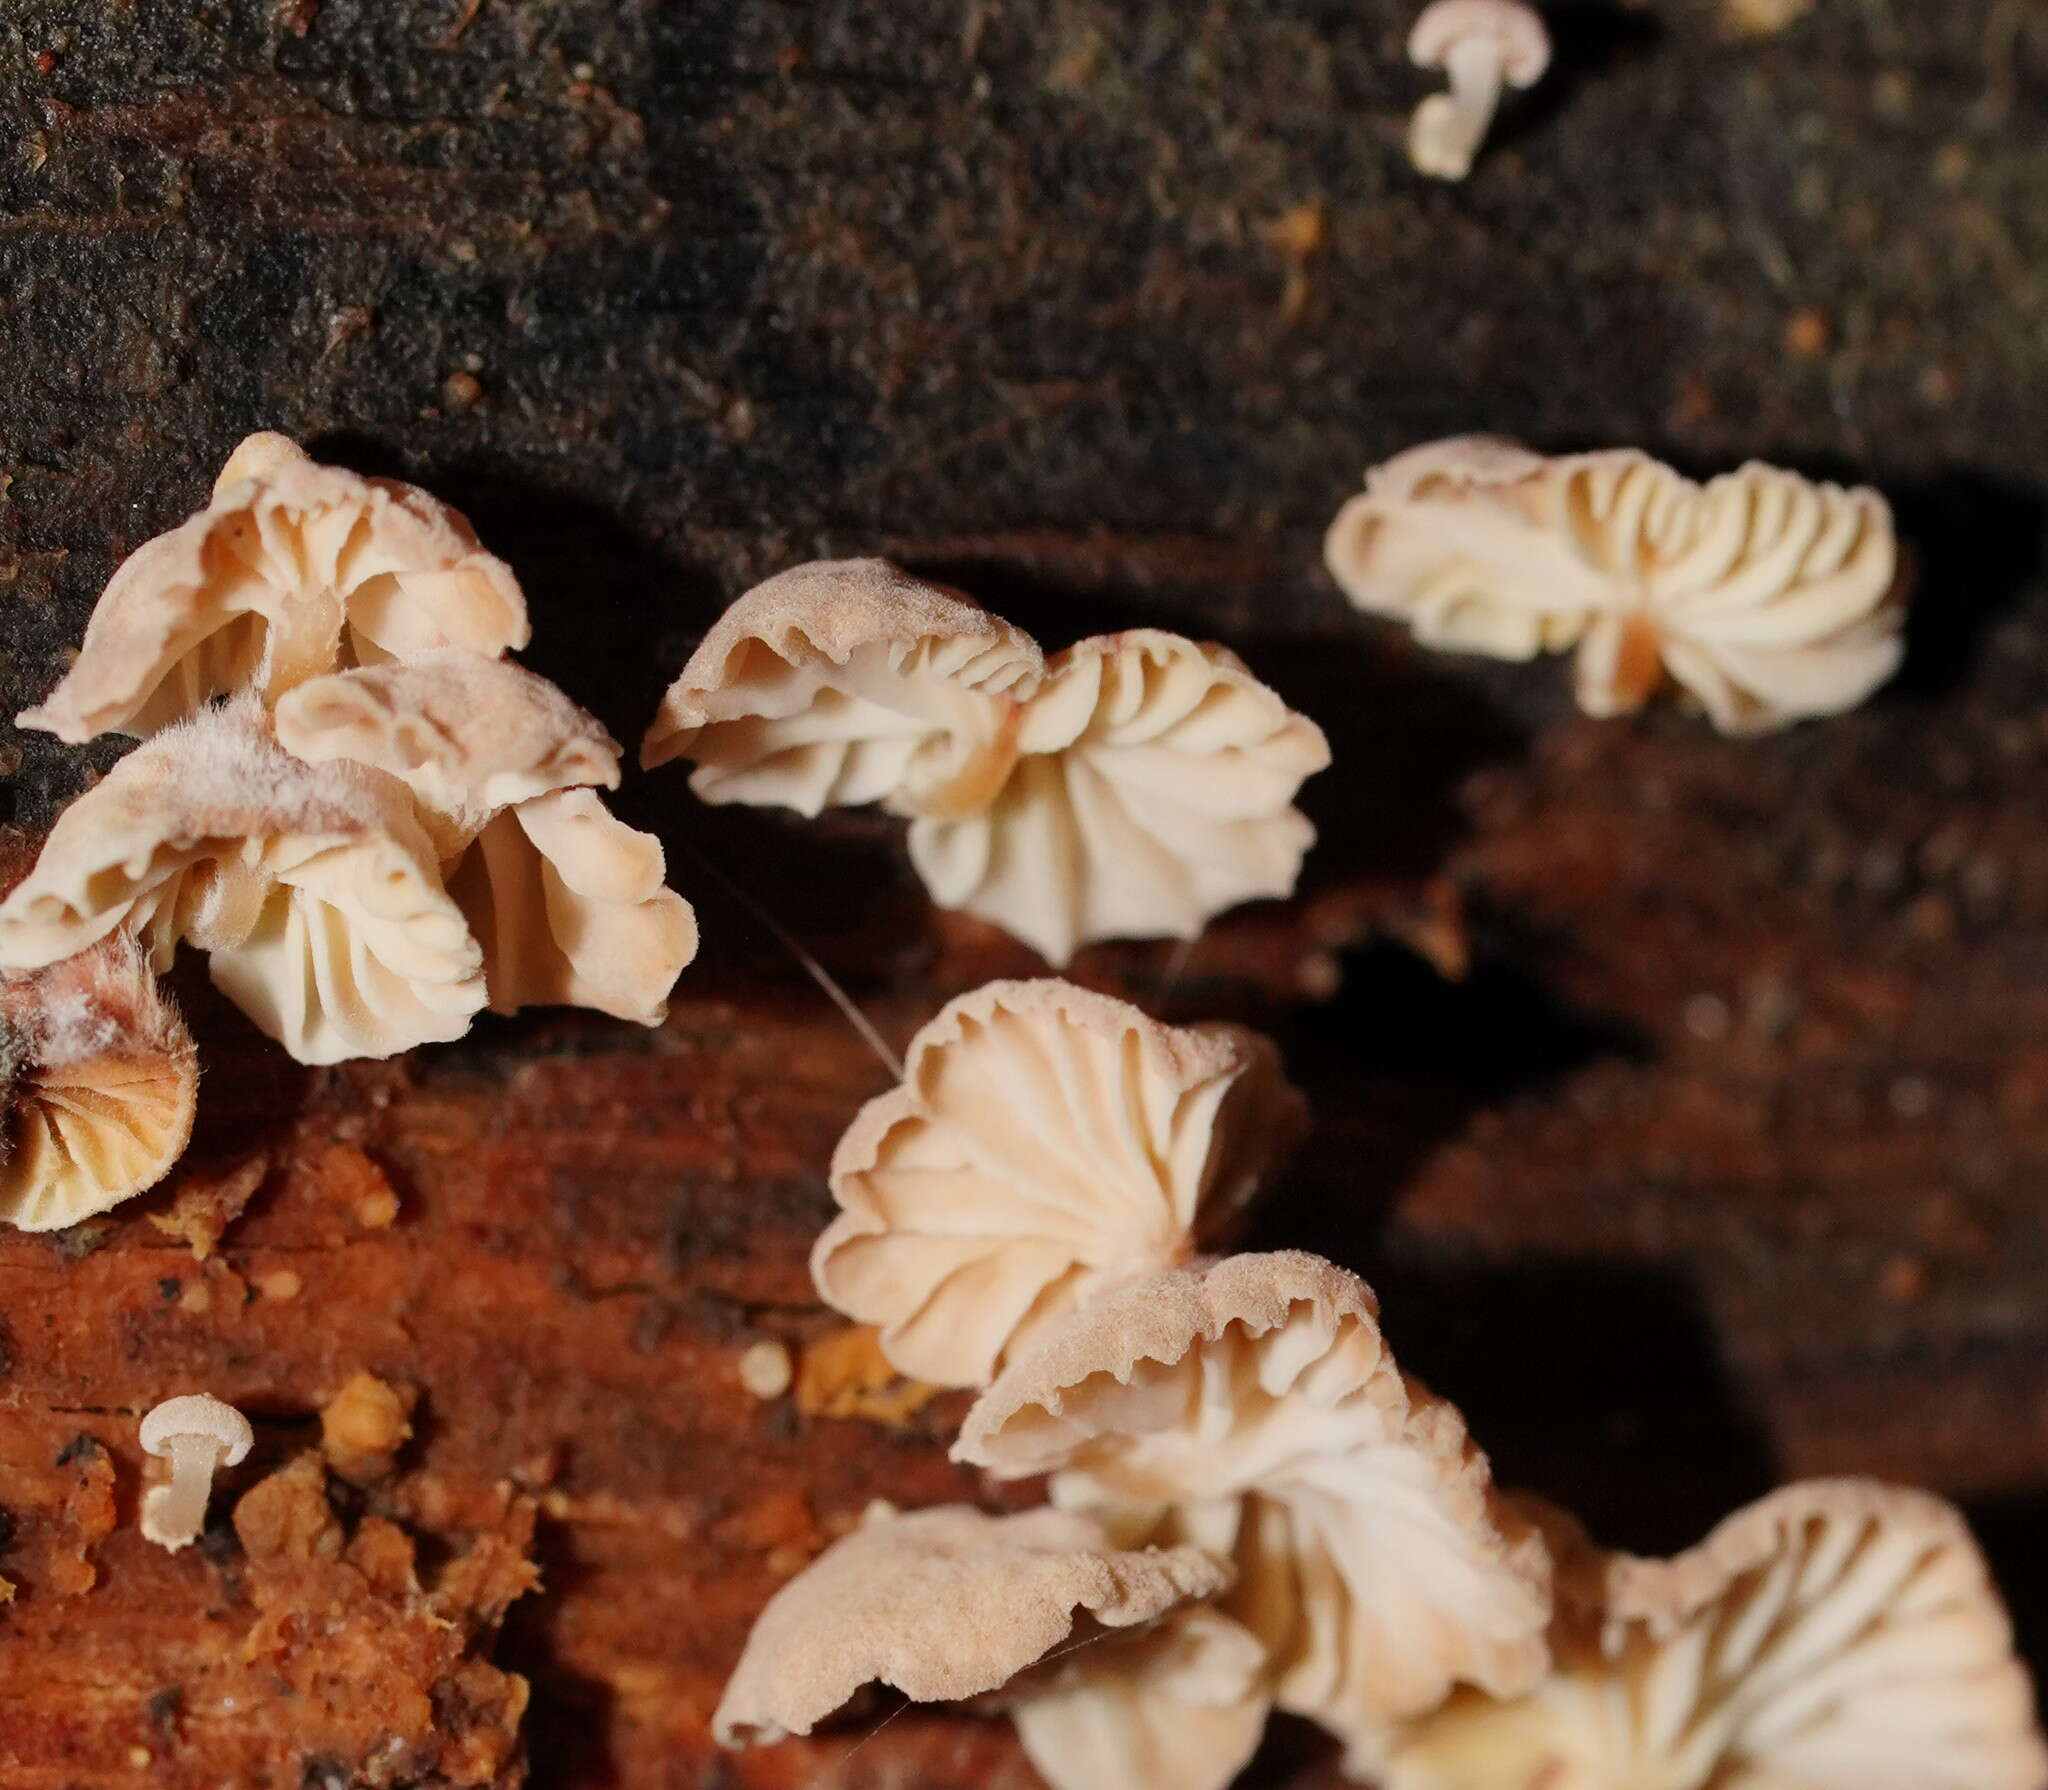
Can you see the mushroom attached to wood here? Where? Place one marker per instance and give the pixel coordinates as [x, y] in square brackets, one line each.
[292, 570]
[101, 1083]
[1483, 46]
[1253, 1410]
[197, 1434]
[568, 903]
[313, 887]
[1135, 787]
[1765, 597]
[1835, 1633]
[943, 1605]
[1046, 1143]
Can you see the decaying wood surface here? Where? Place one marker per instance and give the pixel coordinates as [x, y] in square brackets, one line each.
[1686, 1099]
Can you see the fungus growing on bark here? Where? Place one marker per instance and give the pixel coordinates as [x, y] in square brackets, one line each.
[1483, 46]
[100, 1080]
[313, 887]
[1254, 1411]
[1135, 787]
[1767, 598]
[293, 569]
[1835, 1633]
[196, 1434]
[1046, 1143]
[942, 1604]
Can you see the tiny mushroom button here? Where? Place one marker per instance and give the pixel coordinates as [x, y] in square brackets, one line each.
[196, 1434]
[1481, 45]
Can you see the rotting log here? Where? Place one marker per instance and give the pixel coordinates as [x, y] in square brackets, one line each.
[1686, 1099]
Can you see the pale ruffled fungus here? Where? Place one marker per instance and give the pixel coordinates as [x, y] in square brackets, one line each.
[1483, 46]
[848, 681]
[313, 887]
[1254, 1411]
[568, 903]
[197, 1434]
[1767, 598]
[942, 1604]
[1046, 1143]
[292, 570]
[100, 1082]
[1135, 787]
[1837, 1633]
[1178, 1706]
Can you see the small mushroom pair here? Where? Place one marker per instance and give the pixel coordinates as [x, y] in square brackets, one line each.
[1483, 46]
[1764, 597]
[372, 821]
[1133, 786]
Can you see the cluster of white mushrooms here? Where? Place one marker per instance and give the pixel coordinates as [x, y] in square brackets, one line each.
[375, 824]
[1253, 1508]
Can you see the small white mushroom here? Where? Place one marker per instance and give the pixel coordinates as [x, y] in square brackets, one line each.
[196, 1434]
[1482, 45]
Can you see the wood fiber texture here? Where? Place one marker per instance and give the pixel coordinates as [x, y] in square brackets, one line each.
[1686, 1099]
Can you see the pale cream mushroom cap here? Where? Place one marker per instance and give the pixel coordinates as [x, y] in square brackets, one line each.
[571, 909]
[292, 570]
[1517, 29]
[1766, 597]
[1179, 1706]
[1254, 1410]
[942, 1604]
[1835, 1633]
[1046, 1143]
[197, 1414]
[313, 887]
[848, 681]
[469, 736]
[101, 1085]
[1155, 789]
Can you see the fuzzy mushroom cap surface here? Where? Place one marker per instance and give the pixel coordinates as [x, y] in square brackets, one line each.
[313, 887]
[1518, 30]
[197, 1414]
[1154, 789]
[1046, 1143]
[1254, 1410]
[942, 1604]
[101, 1084]
[1835, 1633]
[849, 681]
[292, 570]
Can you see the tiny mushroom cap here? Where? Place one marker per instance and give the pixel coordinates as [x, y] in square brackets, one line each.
[196, 1433]
[1047, 1143]
[942, 1604]
[1481, 45]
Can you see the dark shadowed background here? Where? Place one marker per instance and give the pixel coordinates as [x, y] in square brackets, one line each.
[1686, 1099]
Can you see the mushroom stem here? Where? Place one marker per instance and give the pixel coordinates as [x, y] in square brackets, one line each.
[173, 1514]
[1445, 134]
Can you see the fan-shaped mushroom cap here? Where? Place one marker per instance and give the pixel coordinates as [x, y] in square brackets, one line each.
[293, 569]
[1155, 791]
[1254, 1410]
[1046, 1143]
[570, 907]
[313, 886]
[1836, 1633]
[1516, 30]
[942, 1604]
[849, 681]
[101, 1082]
[1179, 1706]
[1767, 597]
[469, 736]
